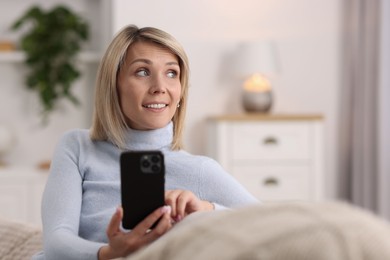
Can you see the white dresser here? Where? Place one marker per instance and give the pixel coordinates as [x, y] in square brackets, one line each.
[21, 191]
[276, 157]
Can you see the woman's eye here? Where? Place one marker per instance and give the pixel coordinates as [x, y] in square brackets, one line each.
[142, 73]
[172, 74]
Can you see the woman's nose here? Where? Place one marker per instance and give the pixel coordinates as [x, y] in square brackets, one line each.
[157, 85]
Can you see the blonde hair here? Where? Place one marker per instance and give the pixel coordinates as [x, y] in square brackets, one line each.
[109, 122]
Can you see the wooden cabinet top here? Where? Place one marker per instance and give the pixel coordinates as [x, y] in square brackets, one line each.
[266, 117]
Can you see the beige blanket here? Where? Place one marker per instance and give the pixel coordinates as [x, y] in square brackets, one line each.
[18, 241]
[285, 231]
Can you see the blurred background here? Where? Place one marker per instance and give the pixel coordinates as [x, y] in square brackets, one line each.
[316, 49]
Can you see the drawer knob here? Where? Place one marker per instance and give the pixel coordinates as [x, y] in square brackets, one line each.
[270, 141]
[271, 182]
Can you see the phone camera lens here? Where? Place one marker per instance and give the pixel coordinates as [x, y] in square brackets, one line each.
[145, 163]
[155, 159]
[155, 168]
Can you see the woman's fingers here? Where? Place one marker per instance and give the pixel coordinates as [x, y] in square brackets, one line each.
[123, 243]
[181, 205]
[148, 222]
[163, 216]
[164, 224]
[113, 226]
[181, 201]
[187, 203]
[170, 199]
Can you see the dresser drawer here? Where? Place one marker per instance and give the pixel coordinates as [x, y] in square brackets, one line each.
[275, 182]
[271, 140]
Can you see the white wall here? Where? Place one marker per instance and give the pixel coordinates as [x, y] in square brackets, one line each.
[307, 33]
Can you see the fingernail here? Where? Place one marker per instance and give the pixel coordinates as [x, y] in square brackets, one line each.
[177, 218]
[166, 209]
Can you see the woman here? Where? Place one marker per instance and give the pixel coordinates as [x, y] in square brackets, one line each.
[140, 104]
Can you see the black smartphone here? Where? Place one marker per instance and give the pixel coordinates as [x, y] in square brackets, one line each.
[142, 185]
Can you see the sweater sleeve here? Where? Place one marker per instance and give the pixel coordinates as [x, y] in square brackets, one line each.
[221, 188]
[61, 205]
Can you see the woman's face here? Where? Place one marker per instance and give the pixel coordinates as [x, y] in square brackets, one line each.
[149, 86]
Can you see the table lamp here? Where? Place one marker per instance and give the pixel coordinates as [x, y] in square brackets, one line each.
[257, 62]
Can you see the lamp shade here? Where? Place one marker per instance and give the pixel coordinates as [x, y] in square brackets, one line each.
[257, 57]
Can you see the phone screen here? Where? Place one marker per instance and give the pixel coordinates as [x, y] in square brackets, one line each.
[142, 185]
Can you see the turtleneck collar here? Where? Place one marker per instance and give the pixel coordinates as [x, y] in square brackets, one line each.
[157, 139]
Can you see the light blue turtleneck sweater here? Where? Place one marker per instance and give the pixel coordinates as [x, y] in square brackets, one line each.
[83, 188]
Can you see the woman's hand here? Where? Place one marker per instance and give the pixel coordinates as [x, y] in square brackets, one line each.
[123, 243]
[184, 202]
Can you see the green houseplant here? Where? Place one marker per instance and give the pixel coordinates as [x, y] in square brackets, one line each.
[51, 43]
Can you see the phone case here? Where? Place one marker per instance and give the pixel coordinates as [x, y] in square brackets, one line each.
[142, 185]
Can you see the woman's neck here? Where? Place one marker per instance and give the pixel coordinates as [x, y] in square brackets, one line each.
[157, 139]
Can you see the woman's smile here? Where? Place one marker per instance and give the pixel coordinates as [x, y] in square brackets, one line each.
[155, 105]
